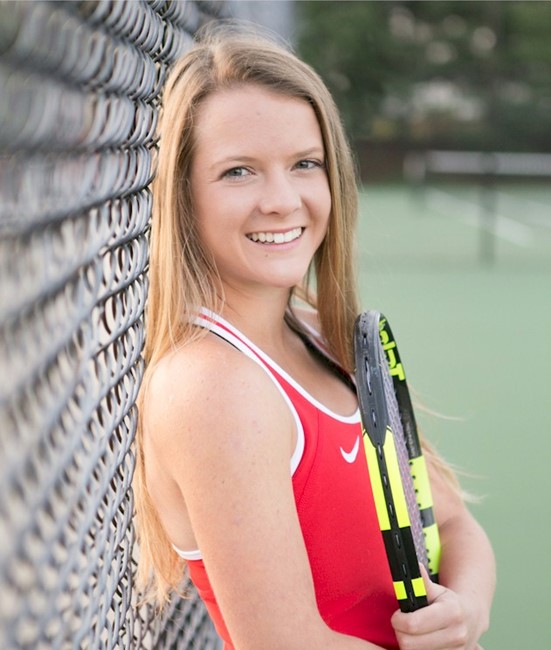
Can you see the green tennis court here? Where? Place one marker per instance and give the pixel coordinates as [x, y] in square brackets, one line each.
[475, 337]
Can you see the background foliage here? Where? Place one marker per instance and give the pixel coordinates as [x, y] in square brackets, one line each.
[437, 74]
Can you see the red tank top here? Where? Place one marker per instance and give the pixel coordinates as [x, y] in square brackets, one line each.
[353, 585]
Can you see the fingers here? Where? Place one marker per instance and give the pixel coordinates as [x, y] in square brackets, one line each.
[442, 625]
[440, 640]
[438, 615]
[433, 589]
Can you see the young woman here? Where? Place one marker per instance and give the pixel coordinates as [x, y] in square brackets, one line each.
[248, 411]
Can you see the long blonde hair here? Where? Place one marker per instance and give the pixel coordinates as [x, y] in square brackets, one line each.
[182, 274]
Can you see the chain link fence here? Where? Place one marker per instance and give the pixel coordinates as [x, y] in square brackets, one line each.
[79, 102]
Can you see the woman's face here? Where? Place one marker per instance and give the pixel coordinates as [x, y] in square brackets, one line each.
[259, 186]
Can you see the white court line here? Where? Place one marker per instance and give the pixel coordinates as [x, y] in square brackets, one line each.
[469, 212]
[538, 214]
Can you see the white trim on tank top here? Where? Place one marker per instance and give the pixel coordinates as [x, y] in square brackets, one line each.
[238, 343]
[354, 418]
[245, 345]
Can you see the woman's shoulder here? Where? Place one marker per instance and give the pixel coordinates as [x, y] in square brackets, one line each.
[204, 379]
[208, 404]
[198, 367]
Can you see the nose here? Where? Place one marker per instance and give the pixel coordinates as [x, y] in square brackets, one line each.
[279, 195]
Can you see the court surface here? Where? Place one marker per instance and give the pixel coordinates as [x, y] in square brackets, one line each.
[468, 297]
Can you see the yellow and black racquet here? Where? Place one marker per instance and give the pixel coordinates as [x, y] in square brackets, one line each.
[395, 459]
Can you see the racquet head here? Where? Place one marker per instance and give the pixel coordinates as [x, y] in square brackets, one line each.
[396, 465]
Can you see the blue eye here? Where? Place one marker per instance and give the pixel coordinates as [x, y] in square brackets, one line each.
[309, 164]
[236, 172]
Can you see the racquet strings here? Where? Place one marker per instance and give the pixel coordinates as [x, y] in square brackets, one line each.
[403, 461]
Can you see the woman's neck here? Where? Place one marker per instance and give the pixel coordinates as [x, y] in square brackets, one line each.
[261, 317]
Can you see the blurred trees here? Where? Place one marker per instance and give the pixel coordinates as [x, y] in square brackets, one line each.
[455, 74]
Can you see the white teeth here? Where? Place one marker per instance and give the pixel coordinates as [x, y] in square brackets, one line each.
[276, 237]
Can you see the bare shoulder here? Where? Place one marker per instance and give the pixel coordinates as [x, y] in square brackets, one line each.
[208, 396]
[194, 371]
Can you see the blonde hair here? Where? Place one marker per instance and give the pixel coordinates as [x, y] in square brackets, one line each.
[182, 274]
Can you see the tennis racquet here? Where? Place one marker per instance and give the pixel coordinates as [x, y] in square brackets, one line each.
[397, 468]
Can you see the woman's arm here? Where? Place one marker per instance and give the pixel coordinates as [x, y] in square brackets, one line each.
[225, 434]
[459, 610]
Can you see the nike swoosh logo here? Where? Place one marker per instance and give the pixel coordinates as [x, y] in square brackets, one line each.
[350, 456]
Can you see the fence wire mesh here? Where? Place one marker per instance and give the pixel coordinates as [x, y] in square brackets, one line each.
[80, 95]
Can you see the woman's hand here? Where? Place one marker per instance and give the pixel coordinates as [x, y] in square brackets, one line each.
[447, 623]
[459, 607]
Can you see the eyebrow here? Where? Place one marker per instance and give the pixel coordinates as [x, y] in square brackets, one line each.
[311, 151]
[236, 158]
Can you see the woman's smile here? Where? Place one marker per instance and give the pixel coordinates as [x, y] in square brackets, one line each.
[276, 237]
